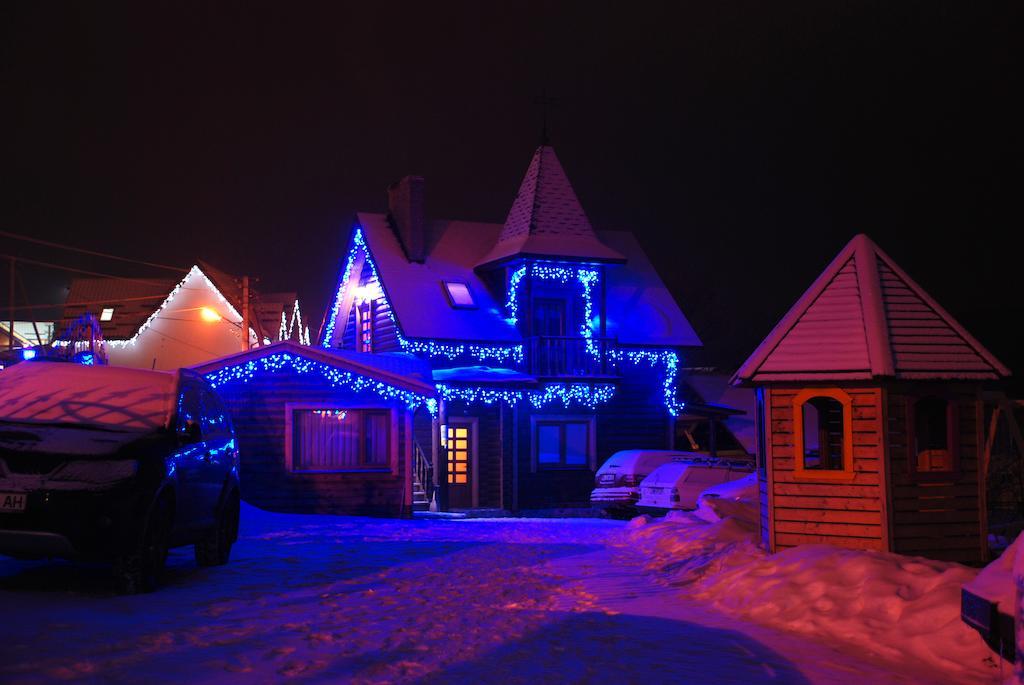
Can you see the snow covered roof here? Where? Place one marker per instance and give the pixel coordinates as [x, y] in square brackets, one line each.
[416, 290]
[106, 396]
[641, 310]
[864, 317]
[400, 370]
[133, 301]
[481, 374]
[546, 218]
[714, 389]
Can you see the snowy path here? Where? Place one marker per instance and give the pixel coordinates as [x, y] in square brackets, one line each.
[332, 599]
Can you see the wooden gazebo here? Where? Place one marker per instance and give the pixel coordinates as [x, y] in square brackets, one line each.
[871, 417]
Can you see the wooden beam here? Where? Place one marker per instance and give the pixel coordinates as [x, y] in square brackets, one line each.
[341, 320]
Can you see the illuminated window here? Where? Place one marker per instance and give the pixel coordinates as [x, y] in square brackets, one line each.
[338, 439]
[106, 314]
[562, 444]
[458, 444]
[364, 326]
[934, 435]
[823, 434]
[459, 295]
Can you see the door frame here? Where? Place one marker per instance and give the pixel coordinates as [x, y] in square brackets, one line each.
[474, 457]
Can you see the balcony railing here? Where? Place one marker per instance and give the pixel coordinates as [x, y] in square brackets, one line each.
[568, 357]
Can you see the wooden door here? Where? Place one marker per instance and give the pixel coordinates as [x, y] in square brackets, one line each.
[460, 469]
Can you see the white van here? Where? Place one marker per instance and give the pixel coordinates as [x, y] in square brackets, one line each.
[618, 479]
[678, 484]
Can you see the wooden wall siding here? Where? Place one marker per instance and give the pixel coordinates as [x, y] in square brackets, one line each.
[489, 445]
[385, 337]
[635, 419]
[847, 513]
[833, 325]
[258, 412]
[762, 495]
[921, 339]
[935, 519]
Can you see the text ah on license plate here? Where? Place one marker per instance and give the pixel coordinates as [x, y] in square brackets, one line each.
[12, 501]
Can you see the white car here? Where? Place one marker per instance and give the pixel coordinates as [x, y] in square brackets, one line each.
[678, 484]
[618, 479]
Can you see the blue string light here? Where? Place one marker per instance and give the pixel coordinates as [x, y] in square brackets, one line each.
[569, 394]
[666, 358]
[430, 348]
[586, 275]
[275, 363]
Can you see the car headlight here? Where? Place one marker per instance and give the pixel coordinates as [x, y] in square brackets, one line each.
[96, 471]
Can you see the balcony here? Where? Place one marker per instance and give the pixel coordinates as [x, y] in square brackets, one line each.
[568, 357]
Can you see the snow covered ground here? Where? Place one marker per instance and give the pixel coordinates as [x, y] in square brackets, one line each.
[345, 599]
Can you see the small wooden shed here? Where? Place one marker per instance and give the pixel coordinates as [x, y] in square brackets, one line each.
[323, 431]
[871, 417]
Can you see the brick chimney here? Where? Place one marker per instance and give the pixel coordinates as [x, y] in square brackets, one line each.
[406, 211]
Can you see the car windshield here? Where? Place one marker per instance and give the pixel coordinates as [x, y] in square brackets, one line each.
[39, 394]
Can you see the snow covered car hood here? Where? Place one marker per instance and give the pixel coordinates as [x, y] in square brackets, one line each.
[105, 397]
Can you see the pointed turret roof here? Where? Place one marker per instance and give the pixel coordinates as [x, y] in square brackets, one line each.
[863, 318]
[547, 220]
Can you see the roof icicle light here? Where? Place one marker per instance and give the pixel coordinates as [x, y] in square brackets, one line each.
[430, 348]
[273, 363]
[193, 272]
[568, 394]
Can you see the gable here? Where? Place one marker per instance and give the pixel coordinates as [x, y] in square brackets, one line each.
[863, 318]
[829, 335]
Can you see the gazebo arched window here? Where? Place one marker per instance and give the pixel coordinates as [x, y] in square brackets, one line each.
[823, 434]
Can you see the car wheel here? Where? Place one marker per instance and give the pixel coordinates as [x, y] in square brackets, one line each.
[143, 568]
[215, 548]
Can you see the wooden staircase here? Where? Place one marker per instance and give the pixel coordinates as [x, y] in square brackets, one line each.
[422, 480]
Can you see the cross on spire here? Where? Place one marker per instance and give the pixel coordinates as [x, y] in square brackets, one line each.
[545, 103]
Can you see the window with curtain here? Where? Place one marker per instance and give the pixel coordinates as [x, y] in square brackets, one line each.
[336, 439]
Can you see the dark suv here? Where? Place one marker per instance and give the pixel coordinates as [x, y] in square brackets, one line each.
[104, 463]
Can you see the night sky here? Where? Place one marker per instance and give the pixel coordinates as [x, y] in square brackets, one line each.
[745, 143]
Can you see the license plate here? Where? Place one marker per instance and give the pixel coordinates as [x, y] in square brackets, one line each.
[12, 501]
[607, 479]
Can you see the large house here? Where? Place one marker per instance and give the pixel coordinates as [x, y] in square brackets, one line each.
[551, 344]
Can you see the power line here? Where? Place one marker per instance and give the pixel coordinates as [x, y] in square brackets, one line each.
[116, 300]
[59, 246]
[26, 260]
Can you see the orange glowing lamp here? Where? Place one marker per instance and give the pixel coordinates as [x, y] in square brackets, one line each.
[208, 314]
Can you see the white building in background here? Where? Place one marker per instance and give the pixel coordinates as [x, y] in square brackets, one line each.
[167, 324]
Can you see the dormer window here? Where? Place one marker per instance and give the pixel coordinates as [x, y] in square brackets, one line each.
[459, 295]
[106, 314]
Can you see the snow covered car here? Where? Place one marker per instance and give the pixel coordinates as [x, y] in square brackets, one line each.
[737, 499]
[987, 602]
[677, 485]
[114, 464]
[618, 479]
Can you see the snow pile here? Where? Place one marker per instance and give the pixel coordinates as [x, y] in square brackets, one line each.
[899, 608]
